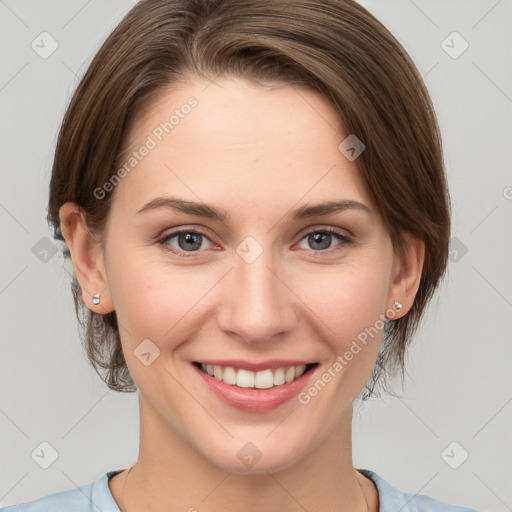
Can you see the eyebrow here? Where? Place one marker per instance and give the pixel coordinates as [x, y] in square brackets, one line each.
[211, 212]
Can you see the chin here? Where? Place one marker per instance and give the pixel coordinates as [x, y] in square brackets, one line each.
[266, 464]
[257, 456]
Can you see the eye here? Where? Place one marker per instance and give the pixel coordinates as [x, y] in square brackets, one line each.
[191, 240]
[321, 239]
[188, 240]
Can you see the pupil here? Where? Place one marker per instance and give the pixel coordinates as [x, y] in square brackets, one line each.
[322, 237]
[190, 239]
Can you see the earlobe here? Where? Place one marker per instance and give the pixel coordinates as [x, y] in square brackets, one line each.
[406, 279]
[87, 258]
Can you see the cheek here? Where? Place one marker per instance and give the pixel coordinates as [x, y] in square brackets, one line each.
[350, 298]
[157, 304]
[158, 300]
[350, 306]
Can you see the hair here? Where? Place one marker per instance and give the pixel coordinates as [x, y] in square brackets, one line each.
[333, 47]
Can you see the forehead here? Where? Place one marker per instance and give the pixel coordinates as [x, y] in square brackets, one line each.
[234, 140]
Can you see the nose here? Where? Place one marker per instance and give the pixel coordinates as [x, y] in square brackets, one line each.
[257, 304]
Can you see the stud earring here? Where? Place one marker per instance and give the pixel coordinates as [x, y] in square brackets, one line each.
[397, 306]
[96, 298]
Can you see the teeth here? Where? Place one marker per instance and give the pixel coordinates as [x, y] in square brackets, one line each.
[217, 372]
[279, 377]
[290, 374]
[247, 379]
[264, 379]
[229, 376]
[299, 370]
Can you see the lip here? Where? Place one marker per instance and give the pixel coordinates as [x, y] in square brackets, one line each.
[251, 399]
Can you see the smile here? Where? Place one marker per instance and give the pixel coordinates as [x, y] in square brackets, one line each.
[263, 379]
[251, 386]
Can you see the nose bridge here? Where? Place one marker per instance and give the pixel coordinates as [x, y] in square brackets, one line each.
[258, 305]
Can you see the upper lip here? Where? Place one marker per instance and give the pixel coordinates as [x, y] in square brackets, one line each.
[271, 364]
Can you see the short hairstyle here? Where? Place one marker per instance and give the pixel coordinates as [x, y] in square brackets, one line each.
[333, 47]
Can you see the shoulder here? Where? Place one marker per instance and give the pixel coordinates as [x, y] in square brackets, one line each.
[392, 499]
[86, 498]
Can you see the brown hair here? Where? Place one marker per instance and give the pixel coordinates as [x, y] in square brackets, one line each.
[334, 47]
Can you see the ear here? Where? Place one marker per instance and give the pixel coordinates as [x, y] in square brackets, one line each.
[87, 257]
[406, 276]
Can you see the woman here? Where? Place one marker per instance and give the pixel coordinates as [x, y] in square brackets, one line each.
[253, 198]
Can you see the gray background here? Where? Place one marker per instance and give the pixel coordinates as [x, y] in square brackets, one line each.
[459, 381]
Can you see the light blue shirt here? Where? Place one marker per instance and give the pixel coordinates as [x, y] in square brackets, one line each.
[96, 497]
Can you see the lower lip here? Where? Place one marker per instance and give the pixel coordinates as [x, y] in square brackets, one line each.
[251, 399]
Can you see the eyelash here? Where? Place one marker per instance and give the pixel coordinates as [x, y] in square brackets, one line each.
[343, 238]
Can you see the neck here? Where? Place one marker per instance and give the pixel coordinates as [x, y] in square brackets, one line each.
[170, 472]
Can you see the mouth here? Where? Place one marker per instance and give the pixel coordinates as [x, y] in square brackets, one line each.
[254, 387]
[248, 379]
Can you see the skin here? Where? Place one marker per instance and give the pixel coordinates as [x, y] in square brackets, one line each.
[259, 152]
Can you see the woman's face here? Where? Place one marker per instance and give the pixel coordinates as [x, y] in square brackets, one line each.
[262, 288]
